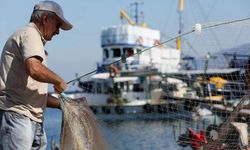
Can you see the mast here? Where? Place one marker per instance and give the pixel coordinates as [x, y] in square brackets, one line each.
[136, 12]
[137, 15]
[181, 25]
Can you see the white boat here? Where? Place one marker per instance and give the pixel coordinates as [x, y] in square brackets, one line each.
[135, 67]
[128, 82]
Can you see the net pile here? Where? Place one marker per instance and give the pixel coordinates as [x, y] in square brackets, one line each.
[80, 129]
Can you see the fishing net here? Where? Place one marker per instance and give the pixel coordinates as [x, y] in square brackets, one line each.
[216, 86]
[80, 129]
[216, 91]
[208, 100]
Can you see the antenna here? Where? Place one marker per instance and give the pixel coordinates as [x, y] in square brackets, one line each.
[135, 10]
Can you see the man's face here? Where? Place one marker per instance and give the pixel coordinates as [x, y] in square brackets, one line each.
[51, 27]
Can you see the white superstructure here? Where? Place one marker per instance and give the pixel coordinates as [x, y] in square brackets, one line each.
[129, 34]
[132, 40]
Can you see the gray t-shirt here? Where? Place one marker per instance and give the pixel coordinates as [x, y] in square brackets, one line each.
[19, 92]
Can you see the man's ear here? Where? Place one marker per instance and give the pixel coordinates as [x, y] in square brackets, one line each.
[45, 19]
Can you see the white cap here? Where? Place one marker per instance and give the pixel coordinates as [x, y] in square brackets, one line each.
[56, 8]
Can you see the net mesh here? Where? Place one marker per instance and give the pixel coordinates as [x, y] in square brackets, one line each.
[80, 129]
[211, 93]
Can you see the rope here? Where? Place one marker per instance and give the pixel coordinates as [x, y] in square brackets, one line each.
[164, 42]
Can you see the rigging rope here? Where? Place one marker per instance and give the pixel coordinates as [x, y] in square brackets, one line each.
[164, 42]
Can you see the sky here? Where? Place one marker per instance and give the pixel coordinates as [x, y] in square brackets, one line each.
[78, 50]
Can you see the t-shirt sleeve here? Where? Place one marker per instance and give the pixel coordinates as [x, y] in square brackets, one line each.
[31, 45]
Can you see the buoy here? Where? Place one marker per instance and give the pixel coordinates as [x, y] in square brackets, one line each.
[197, 28]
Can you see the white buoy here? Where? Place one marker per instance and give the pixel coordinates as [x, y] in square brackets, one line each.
[197, 28]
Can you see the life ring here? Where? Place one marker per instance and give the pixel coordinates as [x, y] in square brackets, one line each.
[113, 71]
[147, 108]
[139, 40]
[119, 110]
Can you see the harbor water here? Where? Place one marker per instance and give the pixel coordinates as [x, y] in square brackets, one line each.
[131, 132]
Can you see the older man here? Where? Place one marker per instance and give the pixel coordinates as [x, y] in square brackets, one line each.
[24, 79]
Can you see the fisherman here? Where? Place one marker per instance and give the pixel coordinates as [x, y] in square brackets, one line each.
[24, 79]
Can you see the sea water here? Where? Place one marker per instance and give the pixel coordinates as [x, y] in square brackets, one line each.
[130, 132]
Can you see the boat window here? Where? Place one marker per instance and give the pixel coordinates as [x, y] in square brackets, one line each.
[86, 86]
[106, 86]
[105, 53]
[128, 51]
[98, 87]
[116, 52]
[137, 88]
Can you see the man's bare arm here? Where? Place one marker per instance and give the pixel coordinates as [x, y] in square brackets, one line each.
[41, 73]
